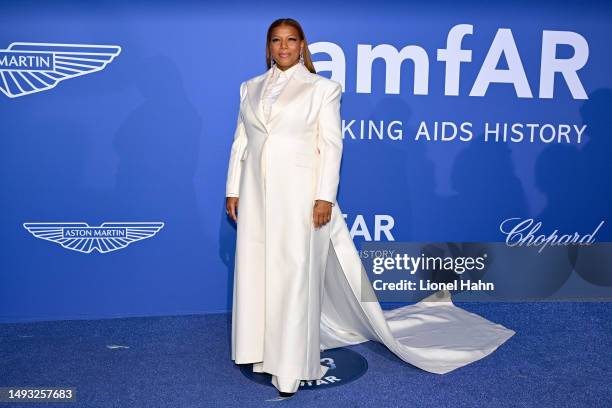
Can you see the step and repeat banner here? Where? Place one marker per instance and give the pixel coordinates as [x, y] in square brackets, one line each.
[466, 121]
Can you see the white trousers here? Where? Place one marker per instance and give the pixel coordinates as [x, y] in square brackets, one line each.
[281, 383]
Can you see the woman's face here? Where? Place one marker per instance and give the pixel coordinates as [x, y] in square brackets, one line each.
[285, 45]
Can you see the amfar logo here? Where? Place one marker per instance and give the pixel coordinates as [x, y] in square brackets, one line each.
[79, 236]
[502, 45]
[27, 68]
[383, 224]
[345, 366]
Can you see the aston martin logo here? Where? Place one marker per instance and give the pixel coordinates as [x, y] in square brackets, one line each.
[27, 68]
[79, 236]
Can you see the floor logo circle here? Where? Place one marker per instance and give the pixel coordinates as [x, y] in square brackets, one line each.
[344, 366]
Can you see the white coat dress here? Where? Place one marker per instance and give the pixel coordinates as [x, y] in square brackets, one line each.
[297, 289]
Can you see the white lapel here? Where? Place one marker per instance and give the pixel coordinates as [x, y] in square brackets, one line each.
[298, 81]
[255, 90]
[294, 87]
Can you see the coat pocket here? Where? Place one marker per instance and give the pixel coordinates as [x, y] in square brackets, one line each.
[304, 159]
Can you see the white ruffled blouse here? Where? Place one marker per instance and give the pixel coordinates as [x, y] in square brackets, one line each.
[274, 86]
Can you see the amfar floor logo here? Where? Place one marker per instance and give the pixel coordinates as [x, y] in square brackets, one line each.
[345, 366]
[79, 236]
[26, 68]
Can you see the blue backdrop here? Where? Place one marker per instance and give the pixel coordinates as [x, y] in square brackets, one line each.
[145, 138]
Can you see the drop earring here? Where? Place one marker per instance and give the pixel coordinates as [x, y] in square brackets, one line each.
[272, 61]
[302, 56]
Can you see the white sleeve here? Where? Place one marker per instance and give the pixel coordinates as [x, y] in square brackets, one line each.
[329, 142]
[238, 147]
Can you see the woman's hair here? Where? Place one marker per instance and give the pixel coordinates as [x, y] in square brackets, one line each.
[293, 23]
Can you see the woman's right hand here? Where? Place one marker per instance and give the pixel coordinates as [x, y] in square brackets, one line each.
[231, 207]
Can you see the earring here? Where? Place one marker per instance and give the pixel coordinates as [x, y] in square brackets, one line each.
[272, 61]
[302, 56]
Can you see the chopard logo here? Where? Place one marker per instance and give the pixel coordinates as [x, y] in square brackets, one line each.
[26, 68]
[80, 237]
[523, 233]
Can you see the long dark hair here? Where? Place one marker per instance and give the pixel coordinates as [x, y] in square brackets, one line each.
[293, 23]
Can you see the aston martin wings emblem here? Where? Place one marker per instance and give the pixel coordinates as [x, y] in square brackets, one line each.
[79, 236]
[27, 68]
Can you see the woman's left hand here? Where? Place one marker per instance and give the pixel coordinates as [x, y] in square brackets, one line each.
[321, 213]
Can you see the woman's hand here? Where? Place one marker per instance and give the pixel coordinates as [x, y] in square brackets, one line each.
[231, 206]
[321, 213]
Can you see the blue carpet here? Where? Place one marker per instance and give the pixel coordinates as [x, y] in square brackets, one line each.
[561, 356]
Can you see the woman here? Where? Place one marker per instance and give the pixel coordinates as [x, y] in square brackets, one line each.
[298, 276]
